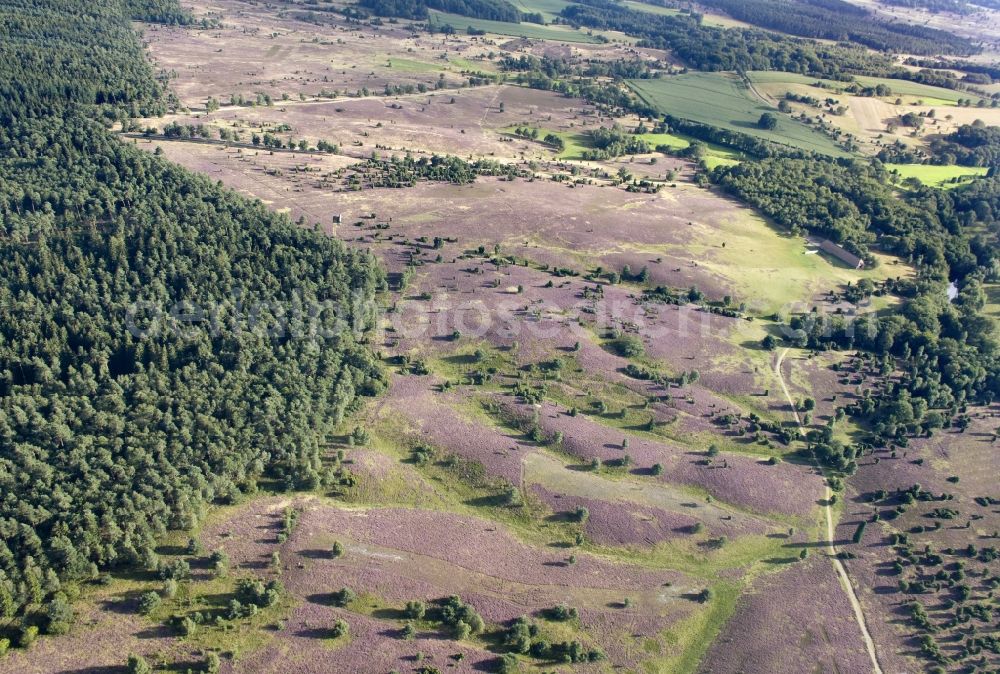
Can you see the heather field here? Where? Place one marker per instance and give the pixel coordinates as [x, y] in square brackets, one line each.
[593, 447]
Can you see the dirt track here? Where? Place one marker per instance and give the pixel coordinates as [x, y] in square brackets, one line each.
[845, 580]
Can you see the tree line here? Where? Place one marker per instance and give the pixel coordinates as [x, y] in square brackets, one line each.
[493, 10]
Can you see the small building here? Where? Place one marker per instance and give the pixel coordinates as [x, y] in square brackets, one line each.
[337, 219]
[839, 252]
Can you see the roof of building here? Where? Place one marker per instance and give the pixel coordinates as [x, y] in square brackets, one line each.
[840, 253]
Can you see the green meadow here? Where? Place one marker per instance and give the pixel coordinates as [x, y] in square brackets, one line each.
[721, 100]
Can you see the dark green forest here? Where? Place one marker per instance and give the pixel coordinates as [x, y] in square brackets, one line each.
[970, 145]
[842, 21]
[120, 421]
[712, 49]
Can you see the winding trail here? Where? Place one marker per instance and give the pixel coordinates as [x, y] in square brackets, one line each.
[845, 580]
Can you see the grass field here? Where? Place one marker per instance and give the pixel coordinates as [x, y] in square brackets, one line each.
[707, 19]
[529, 30]
[928, 94]
[549, 9]
[716, 155]
[720, 100]
[652, 9]
[937, 176]
[411, 66]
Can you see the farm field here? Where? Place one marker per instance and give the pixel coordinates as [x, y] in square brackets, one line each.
[721, 100]
[875, 121]
[910, 91]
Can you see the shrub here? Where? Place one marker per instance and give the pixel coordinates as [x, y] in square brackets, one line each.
[28, 636]
[415, 610]
[508, 664]
[340, 629]
[562, 613]
[627, 346]
[212, 663]
[137, 665]
[462, 630]
[58, 616]
[344, 596]
[186, 626]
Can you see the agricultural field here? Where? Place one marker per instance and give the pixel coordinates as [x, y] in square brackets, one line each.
[909, 92]
[875, 121]
[721, 100]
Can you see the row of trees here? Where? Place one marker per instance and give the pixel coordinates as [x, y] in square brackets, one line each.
[407, 171]
[494, 10]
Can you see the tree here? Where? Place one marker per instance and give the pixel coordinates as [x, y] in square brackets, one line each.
[149, 602]
[768, 121]
[7, 605]
[337, 550]
[58, 615]
[859, 532]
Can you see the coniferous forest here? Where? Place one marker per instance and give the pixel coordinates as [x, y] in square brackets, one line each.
[118, 420]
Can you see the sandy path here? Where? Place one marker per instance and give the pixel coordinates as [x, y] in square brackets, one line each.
[845, 580]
